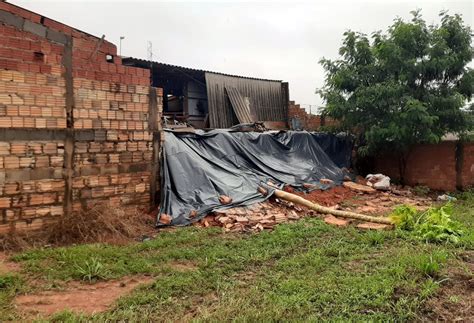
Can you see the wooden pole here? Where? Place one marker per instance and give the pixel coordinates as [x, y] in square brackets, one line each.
[326, 210]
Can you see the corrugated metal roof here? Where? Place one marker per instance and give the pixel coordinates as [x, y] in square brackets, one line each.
[144, 61]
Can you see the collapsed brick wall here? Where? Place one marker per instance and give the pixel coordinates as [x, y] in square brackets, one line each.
[309, 122]
[445, 166]
[76, 126]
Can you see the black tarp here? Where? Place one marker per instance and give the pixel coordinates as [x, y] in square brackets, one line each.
[199, 167]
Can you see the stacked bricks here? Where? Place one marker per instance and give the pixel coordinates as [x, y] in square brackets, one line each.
[76, 126]
[32, 184]
[31, 87]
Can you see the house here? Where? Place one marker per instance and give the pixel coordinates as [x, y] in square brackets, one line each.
[206, 99]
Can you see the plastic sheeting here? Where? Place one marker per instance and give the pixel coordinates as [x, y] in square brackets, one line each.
[199, 167]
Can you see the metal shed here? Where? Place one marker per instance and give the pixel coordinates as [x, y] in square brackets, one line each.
[208, 99]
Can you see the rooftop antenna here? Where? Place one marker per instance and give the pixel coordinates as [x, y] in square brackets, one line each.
[150, 51]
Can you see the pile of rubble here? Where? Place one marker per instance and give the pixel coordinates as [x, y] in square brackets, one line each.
[256, 217]
[355, 197]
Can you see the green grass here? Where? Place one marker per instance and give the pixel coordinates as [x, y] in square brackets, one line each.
[305, 270]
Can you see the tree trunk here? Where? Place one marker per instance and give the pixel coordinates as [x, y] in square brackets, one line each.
[402, 165]
[326, 210]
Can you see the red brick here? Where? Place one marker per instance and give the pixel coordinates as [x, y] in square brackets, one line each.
[336, 221]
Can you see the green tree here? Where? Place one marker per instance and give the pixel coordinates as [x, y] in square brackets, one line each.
[405, 86]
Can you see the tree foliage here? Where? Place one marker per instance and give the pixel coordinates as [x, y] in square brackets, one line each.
[405, 86]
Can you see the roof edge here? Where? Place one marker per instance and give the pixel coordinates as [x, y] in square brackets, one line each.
[144, 61]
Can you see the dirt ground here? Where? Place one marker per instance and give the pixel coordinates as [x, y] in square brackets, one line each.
[455, 299]
[7, 266]
[98, 297]
[78, 297]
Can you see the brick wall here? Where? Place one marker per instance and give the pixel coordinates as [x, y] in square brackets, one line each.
[309, 122]
[467, 167]
[76, 126]
[444, 166]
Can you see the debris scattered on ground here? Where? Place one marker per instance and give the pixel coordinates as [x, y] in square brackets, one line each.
[223, 199]
[446, 198]
[359, 187]
[331, 219]
[293, 198]
[378, 181]
[165, 218]
[266, 215]
[78, 297]
[326, 181]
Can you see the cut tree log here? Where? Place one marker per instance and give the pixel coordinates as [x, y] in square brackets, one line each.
[326, 210]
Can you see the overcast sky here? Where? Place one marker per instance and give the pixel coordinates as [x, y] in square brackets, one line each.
[281, 40]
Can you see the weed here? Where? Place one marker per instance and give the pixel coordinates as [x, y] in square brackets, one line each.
[8, 281]
[421, 190]
[433, 225]
[374, 238]
[454, 299]
[430, 265]
[437, 225]
[92, 270]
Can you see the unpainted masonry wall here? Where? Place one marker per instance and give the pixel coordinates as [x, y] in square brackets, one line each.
[75, 129]
[446, 166]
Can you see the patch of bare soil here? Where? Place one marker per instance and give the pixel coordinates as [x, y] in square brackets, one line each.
[183, 265]
[330, 197]
[78, 297]
[6, 266]
[455, 298]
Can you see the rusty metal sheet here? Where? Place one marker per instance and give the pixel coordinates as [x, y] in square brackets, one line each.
[266, 101]
[240, 105]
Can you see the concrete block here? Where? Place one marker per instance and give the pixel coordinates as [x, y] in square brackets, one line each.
[84, 135]
[17, 175]
[86, 171]
[56, 36]
[109, 169]
[34, 28]
[10, 19]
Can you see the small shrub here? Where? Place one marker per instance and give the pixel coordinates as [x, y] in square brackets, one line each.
[405, 217]
[466, 195]
[437, 225]
[433, 225]
[8, 281]
[421, 190]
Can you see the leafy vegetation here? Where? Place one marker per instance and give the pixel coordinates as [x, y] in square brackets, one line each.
[306, 270]
[408, 85]
[421, 190]
[92, 270]
[433, 225]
